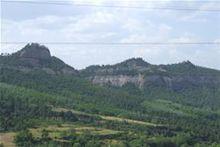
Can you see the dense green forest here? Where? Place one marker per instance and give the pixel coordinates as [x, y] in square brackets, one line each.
[30, 103]
[42, 109]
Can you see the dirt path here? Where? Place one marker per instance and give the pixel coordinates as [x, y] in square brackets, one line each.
[110, 118]
[7, 139]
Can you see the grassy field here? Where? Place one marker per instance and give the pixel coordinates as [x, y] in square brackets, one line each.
[56, 132]
[7, 139]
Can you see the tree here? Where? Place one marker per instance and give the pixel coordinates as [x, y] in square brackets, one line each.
[24, 138]
[45, 135]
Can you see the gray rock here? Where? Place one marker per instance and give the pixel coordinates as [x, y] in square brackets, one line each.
[135, 71]
[35, 51]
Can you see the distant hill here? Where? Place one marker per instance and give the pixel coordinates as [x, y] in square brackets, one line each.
[142, 74]
[132, 71]
[36, 57]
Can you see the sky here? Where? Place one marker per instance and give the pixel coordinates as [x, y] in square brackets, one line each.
[25, 22]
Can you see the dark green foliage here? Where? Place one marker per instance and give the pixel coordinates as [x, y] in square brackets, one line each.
[44, 91]
[45, 135]
[24, 139]
[186, 116]
[19, 106]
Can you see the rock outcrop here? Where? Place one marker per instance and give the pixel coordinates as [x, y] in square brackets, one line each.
[119, 80]
[36, 57]
[142, 74]
[35, 51]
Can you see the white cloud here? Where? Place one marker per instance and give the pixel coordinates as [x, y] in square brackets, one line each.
[116, 25]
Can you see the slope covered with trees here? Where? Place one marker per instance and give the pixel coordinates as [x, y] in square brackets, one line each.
[33, 100]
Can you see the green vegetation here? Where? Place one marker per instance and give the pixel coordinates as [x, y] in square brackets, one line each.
[41, 109]
[153, 122]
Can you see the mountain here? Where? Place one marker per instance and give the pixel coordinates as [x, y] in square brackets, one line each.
[143, 75]
[36, 57]
[134, 71]
[132, 103]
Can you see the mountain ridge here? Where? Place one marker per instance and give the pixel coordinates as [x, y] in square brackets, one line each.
[131, 71]
[173, 76]
[45, 54]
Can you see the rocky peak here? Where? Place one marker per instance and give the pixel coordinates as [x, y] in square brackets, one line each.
[36, 57]
[135, 62]
[186, 63]
[35, 51]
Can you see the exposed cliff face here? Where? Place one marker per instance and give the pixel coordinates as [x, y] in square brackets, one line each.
[141, 81]
[135, 71]
[119, 80]
[36, 57]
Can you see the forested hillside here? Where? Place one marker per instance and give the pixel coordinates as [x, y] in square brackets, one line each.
[45, 102]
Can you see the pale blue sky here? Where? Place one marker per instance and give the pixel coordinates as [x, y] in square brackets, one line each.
[62, 23]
